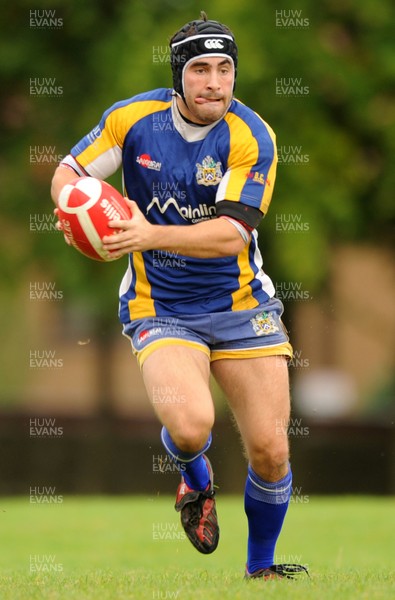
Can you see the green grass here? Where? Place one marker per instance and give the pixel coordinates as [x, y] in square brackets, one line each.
[133, 547]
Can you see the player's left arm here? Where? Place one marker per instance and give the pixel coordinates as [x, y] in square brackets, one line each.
[242, 199]
[207, 239]
[226, 235]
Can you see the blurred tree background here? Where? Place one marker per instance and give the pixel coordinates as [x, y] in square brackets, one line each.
[342, 124]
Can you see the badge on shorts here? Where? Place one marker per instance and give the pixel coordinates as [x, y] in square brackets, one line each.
[264, 323]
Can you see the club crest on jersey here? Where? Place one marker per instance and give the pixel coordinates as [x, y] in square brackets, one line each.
[209, 172]
[264, 323]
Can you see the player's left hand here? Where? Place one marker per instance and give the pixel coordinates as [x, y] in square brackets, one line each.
[137, 234]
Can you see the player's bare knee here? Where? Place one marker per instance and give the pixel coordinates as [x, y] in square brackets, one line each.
[270, 462]
[192, 438]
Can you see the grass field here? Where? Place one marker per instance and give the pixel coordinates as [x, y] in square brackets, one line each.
[134, 547]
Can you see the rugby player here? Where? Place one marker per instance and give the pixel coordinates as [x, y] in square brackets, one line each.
[199, 169]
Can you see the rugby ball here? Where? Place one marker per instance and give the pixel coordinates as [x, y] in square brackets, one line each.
[85, 206]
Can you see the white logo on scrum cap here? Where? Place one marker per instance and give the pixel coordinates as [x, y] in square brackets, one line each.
[214, 44]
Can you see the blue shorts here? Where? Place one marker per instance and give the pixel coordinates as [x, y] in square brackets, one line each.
[232, 334]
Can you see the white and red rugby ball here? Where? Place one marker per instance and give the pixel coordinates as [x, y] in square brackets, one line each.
[85, 207]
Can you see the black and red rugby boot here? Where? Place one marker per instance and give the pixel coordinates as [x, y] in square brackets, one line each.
[198, 514]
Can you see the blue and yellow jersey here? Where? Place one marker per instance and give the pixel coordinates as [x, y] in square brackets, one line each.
[178, 173]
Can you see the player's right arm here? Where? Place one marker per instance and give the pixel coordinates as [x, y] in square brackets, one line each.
[98, 154]
[62, 176]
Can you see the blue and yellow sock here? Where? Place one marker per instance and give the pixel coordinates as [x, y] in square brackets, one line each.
[192, 465]
[265, 504]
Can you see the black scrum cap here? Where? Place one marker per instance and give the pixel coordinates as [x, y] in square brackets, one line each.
[199, 38]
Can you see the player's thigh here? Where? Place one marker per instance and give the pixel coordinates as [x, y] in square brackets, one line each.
[257, 390]
[177, 382]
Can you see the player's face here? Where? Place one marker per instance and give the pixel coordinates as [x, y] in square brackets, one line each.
[208, 89]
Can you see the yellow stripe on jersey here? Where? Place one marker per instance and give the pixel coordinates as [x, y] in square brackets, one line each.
[243, 157]
[142, 305]
[242, 299]
[243, 151]
[268, 189]
[117, 125]
[271, 175]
